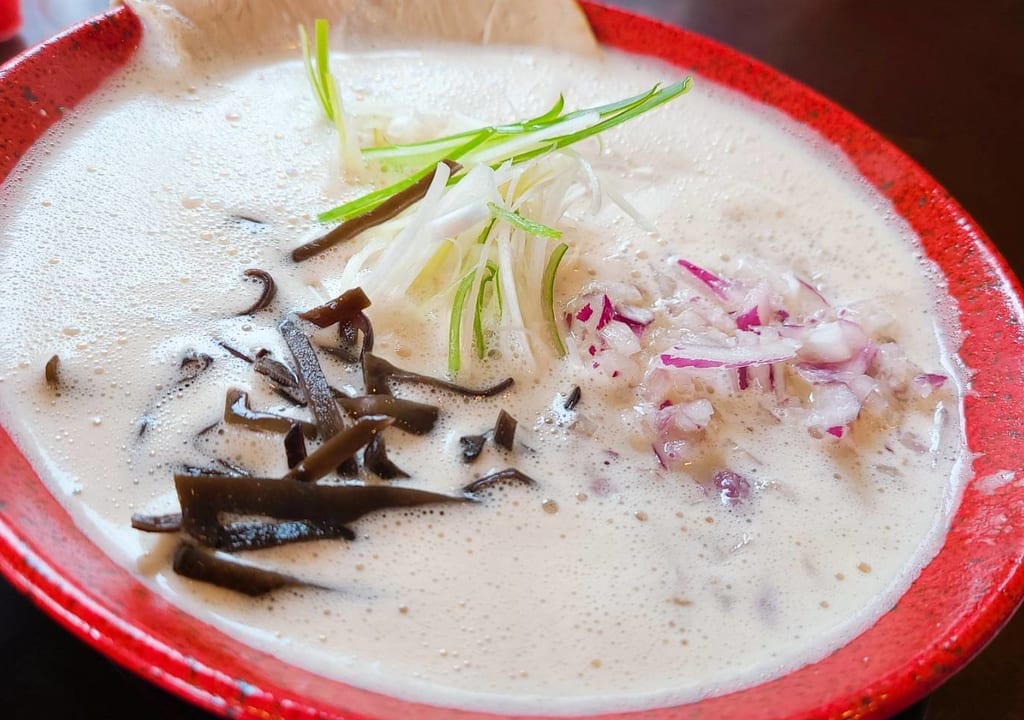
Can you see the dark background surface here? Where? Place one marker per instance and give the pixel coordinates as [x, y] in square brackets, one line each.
[943, 80]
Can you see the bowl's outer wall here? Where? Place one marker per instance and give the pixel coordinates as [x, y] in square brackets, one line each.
[959, 602]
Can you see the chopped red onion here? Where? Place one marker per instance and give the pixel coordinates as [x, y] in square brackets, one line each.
[733, 488]
[832, 342]
[607, 312]
[751, 318]
[717, 285]
[676, 422]
[701, 356]
[927, 383]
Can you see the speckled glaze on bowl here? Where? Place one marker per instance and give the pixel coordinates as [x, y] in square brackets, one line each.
[957, 604]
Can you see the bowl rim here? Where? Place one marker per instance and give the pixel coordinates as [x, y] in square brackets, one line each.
[970, 593]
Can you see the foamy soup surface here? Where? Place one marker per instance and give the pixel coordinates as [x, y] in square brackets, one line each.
[626, 578]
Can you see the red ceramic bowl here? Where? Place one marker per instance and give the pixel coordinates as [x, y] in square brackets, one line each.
[957, 604]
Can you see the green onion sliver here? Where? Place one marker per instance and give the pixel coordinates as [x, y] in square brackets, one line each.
[365, 203]
[548, 294]
[307, 59]
[490, 273]
[323, 60]
[531, 227]
[455, 325]
[651, 101]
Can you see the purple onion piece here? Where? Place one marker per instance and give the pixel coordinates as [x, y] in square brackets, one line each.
[717, 285]
[733, 488]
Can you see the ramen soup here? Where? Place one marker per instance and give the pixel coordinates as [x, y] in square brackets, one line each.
[735, 391]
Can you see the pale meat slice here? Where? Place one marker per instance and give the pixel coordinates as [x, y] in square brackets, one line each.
[195, 30]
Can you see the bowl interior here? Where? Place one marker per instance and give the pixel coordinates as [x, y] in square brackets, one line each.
[957, 604]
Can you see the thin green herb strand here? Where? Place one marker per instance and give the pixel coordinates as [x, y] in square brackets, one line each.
[485, 233]
[550, 116]
[617, 113]
[548, 294]
[490, 274]
[493, 269]
[409, 151]
[307, 58]
[541, 122]
[455, 324]
[525, 224]
[320, 30]
[556, 143]
[366, 203]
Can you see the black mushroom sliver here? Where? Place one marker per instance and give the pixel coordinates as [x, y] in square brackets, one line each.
[339, 310]
[338, 449]
[267, 292]
[235, 352]
[472, 446]
[202, 565]
[349, 348]
[294, 446]
[238, 412]
[51, 371]
[277, 372]
[382, 213]
[504, 430]
[205, 499]
[508, 475]
[192, 366]
[413, 417]
[574, 398]
[376, 460]
[346, 311]
[377, 372]
[319, 397]
[225, 508]
[258, 534]
[167, 523]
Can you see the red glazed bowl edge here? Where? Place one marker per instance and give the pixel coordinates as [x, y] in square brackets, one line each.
[957, 605]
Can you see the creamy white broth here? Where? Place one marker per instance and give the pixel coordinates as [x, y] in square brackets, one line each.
[613, 584]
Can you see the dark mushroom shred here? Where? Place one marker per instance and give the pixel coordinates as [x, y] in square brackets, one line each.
[504, 430]
[349, 348]
[208, 428]
[204, 498]
[238, 412]
[339, 448]
[266, 294]
[472, 446]
[225, 468]
[260, 534]
[50, 372]
[196, 470]
[377, 371]
[235, 352]
[376, 460]
[241, 218]
[412, 417]
[286, 384]
[574, 398]
[167, 523]
[500, 476]
[327, 415]
[294, 446]
[339, 310]
[382, 213]
[192, 365]
[277, 371]
[191, 562]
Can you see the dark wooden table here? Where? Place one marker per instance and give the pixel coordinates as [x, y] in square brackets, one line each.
[943, 79]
